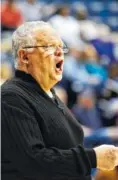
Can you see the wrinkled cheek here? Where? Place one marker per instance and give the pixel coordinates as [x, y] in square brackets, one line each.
[51, 72]
[52, 69]
[41, 75]
[49, 63]
[48, 55]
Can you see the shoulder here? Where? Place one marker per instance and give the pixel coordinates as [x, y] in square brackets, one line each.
[12, 96]
[11, 90]
[10, 86]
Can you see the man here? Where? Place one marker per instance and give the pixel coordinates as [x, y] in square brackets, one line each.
[41, 140]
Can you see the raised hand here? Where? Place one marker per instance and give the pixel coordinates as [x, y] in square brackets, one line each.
[107, 157]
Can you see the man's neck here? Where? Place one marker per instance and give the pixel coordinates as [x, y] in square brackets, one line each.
[45, 85]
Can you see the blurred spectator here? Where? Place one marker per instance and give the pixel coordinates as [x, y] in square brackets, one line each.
[31, 10]
[106, 50]
[67, 26]
[6, 73]
[88, 28]
[98, 73]
[85, 110]
[6, 50]
[11, 16]
[98, 35]
[113, 71]
[83, 71]
[108, 99]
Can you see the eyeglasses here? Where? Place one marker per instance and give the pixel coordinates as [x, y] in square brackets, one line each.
[50, 48]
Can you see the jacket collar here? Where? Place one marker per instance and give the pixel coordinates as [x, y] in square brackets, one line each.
[28, 78]
[33, 84]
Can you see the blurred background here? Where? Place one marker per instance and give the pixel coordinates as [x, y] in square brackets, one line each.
[90, 80]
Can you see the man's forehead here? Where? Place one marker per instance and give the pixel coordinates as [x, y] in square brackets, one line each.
[48, 35]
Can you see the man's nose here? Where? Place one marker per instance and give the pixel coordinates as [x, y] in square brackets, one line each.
[59, 51]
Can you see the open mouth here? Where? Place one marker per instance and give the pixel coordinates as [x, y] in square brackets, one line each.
[59, 66]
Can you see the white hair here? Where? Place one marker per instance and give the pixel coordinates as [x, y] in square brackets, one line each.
[23, 36]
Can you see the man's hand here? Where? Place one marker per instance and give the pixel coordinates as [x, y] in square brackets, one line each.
[107, 157]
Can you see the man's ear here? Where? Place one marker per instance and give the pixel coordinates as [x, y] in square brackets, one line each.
[22, 54]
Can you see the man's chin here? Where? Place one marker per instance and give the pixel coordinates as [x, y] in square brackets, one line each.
[58, 77]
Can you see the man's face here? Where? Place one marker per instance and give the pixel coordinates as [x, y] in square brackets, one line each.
[46, 62]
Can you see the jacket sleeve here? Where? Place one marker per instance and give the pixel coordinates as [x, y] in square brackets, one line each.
[24, 145]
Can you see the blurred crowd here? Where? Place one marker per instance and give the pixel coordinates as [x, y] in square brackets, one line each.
[90, 80]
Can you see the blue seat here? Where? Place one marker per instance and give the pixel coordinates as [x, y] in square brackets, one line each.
[113, 8]
[96, 7]
[112, 21]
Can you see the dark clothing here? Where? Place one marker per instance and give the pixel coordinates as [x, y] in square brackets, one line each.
[41, 140]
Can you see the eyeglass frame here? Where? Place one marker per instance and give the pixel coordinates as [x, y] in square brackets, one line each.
[47, 47]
